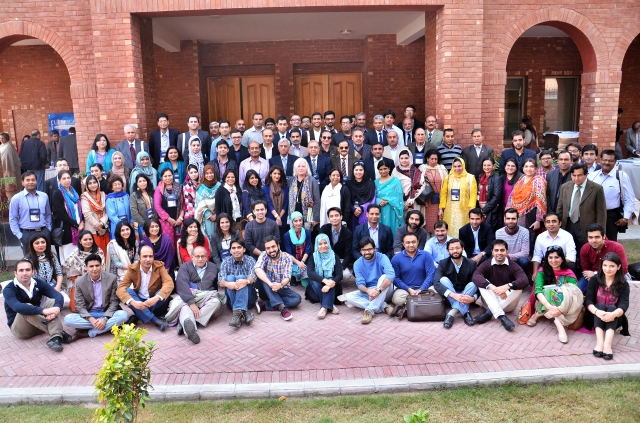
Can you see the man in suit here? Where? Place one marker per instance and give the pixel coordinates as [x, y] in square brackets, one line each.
[205, 139]
[52, 147]
[296, 149]
[389, 125]
[478, 237]
[410, 112]
[238, 152]
[161, 139]
[393, 147]
[454, 281]
[33, 157]
[632, 141]
[51, 184]
[314, 132]
[475, 154]
[590, 156]
[149, 298]
[345, 134]
[379, 134]
[581, 203]
[327, 148]
[518, 152]
[68, 148]
[282, 133]
[130, 147]
[97, 305]
[329, 118]
[371, 164]
[222, 162]
[418, 148]
[409, 131]
[341, 239]
[358, 148]
[320, 165]
[267, 149]
[284, 159]
[344, 161]
[556, 178]
[434, 136]
[379, 232]
[361, 122]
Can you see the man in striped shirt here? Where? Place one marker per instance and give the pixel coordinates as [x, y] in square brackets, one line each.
[517, 239]
[448, 150]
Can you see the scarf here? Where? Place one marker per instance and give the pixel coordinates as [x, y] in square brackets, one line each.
[255, 193]
[191, 187]
[484, 181]
[409, 176]
[209, 184]
[292, 232]
[237, 214]
[165, 252]
[277, 196]
[522, 194]
[324, 262]
[363, 191]
[196, 158]
[305, 194]
[147, 170]
[117, 194]
[71, 199]
[97, 204]
[119, 171]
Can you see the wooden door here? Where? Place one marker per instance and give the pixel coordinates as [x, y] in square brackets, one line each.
[345, 94]
[258, 95]
[224, 99]
[24, 121]
[312, 94]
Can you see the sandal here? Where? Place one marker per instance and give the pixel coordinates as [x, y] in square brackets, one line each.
[322, 313]
[335, 310]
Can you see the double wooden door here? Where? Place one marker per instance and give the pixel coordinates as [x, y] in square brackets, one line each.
[340, 92]
[234, 98]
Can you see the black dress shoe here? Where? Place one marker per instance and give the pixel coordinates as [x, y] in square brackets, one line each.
[508, 324]
[598, 354]
[190, 330]
[132, 320]
[80, 333]
[468, 319]
[248, 317]
[66, 338]
[160, 324]
[483, 318]
[448, 321]
[54, 344]
[236, 321]
[607, 356]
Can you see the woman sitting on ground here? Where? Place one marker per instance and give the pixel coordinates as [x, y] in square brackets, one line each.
[74, 264]
[297, 243]
[325, 274]
[121, 251]
[190, 238]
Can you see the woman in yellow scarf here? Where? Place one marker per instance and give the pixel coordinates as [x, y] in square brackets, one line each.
[459, 195]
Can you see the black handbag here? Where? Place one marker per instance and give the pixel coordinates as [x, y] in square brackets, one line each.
[427, 306]
[425, 195]
[56, 235]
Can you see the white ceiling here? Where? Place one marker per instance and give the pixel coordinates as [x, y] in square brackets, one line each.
[544, 31]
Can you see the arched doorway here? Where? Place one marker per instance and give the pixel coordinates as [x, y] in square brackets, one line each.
[629, 86]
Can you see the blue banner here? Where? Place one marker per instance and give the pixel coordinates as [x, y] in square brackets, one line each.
[62, 122]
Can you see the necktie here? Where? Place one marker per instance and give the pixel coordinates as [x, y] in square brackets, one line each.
[380, 137]
[429, 137]
[408, 138]
[314, 168]
[132, 151]
[344, 167]
[284, 164]
[575, 206]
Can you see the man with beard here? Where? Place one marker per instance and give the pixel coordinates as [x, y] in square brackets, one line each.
[556, 178]
[500, 282]
[478, 237]
[437, 245]
[518, 152]
[371, 164]
[380, 233]
[414, 222]
[254, 162]
[238, 277]
[453, 280]
[374, 276]
[273, 270]
[517, 239]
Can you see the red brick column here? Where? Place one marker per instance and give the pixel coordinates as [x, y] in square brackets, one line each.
[493, 86]
[598, 108]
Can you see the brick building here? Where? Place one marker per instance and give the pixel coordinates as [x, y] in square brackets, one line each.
[568, 64]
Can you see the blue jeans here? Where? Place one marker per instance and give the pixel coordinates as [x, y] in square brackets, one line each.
[273, 300]
[74, 320]
[582, 284]
[524, 262]
[241, 299]
[361, 300]
[470, 289]
[315, 294]
[40, 176]
[158, 309]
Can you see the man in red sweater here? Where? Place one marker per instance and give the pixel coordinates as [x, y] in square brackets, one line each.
[591, 254]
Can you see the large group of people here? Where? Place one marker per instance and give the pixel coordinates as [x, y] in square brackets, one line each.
[162, 231]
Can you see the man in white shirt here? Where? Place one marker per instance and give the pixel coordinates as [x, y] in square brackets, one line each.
[389, 119]
[393, 148]
[282, 133]
[554, 235]
[313, 134]
[378, 134]
[296, 149]
[267, 144]
[255, 132]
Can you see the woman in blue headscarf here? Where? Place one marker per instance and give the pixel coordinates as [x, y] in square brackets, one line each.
[297, 243]
[143, 165]
[325, 274]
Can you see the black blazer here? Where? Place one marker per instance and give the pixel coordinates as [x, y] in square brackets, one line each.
[336, 163]
[371, 137]
[51, 184]
[182, 142]
[243, 152]
[417, 124]
[493, 208]
[60, 215]
[277, 161]
[277, 137]
[486, 236]
[340, 136]
[385, 239]
[274, 151]
[370, 171]
[553, 188]
[231, 165]
[446, 268]
[343, 247]
[223, 202]
[323, 168]
[52, 152]
[510, 153]
[155, 144]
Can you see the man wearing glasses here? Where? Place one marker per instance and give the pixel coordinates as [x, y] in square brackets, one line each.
[344, 161]
[546, 163]
[329, 120]
[575, 150]
[345, 134]
[238, 151]
[326, 147]
[319, 164]
[553, 236]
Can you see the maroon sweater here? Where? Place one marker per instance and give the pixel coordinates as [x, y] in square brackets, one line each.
[499, 275]
[590, 258]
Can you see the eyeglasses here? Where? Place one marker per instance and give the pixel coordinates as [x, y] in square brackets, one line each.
[573, 151]
[554, 248]
[367, 250]
[343, 148]
[200, 257]
[326, 138]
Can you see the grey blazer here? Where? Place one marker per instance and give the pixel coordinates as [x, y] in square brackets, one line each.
[473, 162]
[123, 147]
[436, 138]
[84, 295]
[68, 148]
[139, 208]
[630, 142]
[187, 273]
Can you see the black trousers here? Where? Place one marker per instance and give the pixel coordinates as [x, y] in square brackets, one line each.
[605, 326]
[612, 229]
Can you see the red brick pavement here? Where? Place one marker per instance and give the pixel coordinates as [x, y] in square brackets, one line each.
[306, 349]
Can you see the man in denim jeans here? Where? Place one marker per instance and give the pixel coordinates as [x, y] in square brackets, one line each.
[273, 270]
[237, 276]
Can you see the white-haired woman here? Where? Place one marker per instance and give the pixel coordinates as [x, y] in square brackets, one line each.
[304, 194]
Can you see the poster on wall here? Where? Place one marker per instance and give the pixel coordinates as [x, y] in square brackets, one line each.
[62, 122]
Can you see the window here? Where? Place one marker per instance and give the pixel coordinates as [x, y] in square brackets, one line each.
[560, 104]
[513, 105]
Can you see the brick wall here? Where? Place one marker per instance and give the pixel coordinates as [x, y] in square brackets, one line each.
[148, 72]
[630, 86]
[32, 77]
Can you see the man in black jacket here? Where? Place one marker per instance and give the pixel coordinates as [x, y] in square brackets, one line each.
[33, 157]
[453, 280]
[340, 237]
[223, 162]
[556, 178]
[477, 236]
[25, 316]
[375, 230]
[161, 139]
[51, 184]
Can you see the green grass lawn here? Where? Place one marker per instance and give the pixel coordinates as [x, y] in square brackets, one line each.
[609, 401]
[632, 248]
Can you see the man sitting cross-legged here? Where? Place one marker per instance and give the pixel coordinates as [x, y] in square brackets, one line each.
[453, 281]
[97, 305]
[414, 271]
[237, 276]
[198, 299]
[374, 276]
[500, 282]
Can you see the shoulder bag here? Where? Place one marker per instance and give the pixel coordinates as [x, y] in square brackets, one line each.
[427, 306]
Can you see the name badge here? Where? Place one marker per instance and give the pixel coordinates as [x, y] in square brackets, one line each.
[34, 215]
[224, 254]
[123, 218]
[176, 177]
[455, 194]
[171, 200]
[149, 213]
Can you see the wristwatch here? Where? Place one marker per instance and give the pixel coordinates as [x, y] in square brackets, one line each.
[379, 290]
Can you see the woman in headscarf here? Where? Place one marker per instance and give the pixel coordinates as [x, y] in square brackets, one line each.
[335, 194]
[189, 191]
[118, 169]
[228, 198]
[174, 161]
[411, 179]
[168, 201]
[304, 193]
[435, 174]
[459, 195]
[251, 192]
[205, 198]
[195, 154]
[276, 191]
[297, 243]
[143, 165]
[325, 274]
[117, 204]
[10, 165]
[363, 193]
[94, 210]
[68, 213]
